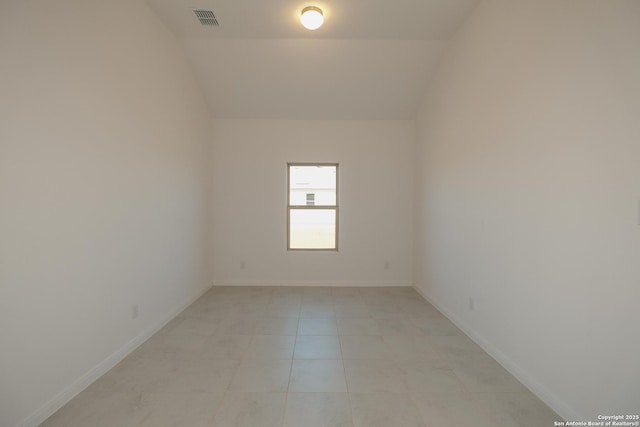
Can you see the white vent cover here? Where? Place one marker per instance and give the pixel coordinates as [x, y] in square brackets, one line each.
[206, 17]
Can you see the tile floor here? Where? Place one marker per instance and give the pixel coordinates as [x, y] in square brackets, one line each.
[307, 357]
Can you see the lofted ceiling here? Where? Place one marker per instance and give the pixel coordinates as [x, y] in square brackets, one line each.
[370, 60]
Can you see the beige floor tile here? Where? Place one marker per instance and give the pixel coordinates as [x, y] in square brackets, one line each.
[365, 347]
[346, 292]
[423, 377]
[190, 326]
[101, 409]
[252, 309]
[317, 347]
[317, 290]
[438, 326]
[278, 309]
[385, 311]
[226, 361]
[412, 347]
[199, 376]
[374, 376]
[317, 375]
[277, 326]
[287, 291]
[319, 299]
[312, 309]
[454, 347]
[519, 409]
[225, 347]
[271, 347]
[347, 298]
[209, 313]
[396, 326]
[290, 299]
[414, 307]
[450, 409]
[149, 375]
[384, 410]
[317, 326]
[261, 376]
[480, 373]
[250, 410]
[237, 326]
[357, 326]
[180, 409]
[318, 410]
[351, 309]
[172, 347]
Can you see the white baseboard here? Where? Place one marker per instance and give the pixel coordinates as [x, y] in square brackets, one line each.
[542, 392]
[328, 283]
[62, 398]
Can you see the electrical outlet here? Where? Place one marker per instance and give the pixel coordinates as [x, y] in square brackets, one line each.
[135, 312]
[471, 304]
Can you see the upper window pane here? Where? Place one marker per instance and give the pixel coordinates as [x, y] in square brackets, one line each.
[313, 182]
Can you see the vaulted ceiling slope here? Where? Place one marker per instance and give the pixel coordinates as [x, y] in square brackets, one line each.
[370, 60]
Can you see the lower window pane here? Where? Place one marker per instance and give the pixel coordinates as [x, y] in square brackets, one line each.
[312, 229]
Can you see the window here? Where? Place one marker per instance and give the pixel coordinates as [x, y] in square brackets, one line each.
[312, 210]
[311, 199]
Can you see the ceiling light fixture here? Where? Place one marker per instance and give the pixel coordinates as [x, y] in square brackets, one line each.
[311, 17]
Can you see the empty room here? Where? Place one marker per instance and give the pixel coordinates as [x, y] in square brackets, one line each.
[284, 213]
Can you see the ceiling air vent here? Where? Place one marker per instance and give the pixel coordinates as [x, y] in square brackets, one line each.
[206, 17]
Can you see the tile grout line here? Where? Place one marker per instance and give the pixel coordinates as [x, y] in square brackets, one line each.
[286, 395]
[344, 372]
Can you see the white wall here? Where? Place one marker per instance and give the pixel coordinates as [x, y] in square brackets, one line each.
[250, 190]
[528, 178]
[104, 187]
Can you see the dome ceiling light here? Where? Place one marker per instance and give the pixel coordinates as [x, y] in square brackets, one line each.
[311, 17]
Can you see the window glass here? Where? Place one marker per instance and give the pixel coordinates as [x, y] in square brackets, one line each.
[312, 209]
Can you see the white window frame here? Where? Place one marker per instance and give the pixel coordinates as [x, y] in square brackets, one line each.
[291, 207]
